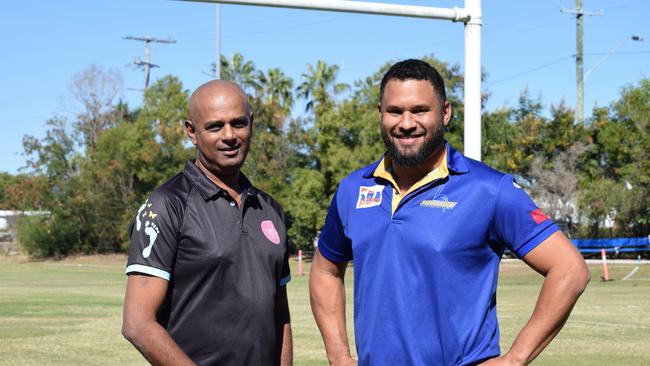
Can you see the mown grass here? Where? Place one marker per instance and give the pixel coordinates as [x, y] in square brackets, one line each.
[69, 313]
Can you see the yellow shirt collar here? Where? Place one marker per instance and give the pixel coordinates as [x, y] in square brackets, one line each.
[383, 170]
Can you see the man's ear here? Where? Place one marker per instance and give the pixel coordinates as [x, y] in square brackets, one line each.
[446, 113]
[251, 118]
[379, 111]
[191, 132]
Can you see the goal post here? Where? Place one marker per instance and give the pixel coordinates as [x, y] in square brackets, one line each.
[470, 15]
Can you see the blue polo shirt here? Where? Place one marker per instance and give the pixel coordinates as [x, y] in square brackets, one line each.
[425, 271]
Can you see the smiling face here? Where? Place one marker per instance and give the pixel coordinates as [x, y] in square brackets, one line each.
[220, 126]
[413, 118]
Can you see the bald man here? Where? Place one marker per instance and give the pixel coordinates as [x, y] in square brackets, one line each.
[208, 262]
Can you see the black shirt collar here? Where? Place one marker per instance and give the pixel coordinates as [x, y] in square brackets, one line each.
[207, 188]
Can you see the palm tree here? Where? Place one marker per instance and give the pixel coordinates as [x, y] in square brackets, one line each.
[319, 84]
[275, 89]
[240, 71]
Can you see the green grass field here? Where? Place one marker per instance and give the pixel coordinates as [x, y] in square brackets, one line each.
[69, 313]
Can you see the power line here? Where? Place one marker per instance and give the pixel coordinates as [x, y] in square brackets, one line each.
[531, 70]
[271, 30]
[616, 53]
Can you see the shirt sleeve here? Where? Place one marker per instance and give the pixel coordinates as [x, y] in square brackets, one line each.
[332, 243]
[154, 237]
[285, 277]
[286, 271]
[517, 222]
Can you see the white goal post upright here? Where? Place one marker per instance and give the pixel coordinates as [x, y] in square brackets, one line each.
[470, 15]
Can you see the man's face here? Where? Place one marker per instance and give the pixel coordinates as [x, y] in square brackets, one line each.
[221, 129]
[413, 119]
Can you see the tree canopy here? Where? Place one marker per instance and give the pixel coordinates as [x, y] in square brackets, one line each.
[91, 172]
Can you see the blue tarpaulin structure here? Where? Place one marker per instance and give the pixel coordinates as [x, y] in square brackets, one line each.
[616, 245]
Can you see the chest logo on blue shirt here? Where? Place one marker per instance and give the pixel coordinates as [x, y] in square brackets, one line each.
[369, 196]
[445, 205]
[439, 200]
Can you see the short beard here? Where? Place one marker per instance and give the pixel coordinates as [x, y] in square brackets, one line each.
[410, 161]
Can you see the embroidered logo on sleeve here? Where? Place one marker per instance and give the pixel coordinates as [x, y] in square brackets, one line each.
[538, 216]
[270, 232]
[369, 196]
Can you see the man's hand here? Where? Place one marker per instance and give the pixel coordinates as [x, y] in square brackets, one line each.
[327, 294]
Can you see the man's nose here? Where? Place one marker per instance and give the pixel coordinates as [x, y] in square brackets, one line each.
[407, 121]
[228, 133]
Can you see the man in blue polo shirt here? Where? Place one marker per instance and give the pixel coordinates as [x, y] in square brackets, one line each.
[426, 228]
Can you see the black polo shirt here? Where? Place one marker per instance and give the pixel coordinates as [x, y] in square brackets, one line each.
[224, 265]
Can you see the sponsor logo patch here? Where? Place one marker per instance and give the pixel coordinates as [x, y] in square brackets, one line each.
[269, 231]
[445, 205]
[369, 196]
[538, 216]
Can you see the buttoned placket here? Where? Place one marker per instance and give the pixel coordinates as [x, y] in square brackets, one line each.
[242, 207]
[416, 192]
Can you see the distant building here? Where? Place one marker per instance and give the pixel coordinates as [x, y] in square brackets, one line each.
[8, 219]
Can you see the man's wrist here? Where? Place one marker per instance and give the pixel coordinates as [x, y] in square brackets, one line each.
[514, 358]
[341, 360]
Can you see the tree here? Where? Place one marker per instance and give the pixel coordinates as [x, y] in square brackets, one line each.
[615, 184]
[240, 71]
[499, 147]
[319, 85]
[96, 90]
[93, 194]
[270, 157]
[22, 192]
[529, 123]
[165, 109]
[555, 185]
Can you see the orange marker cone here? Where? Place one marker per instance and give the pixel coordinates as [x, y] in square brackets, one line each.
[605, 276]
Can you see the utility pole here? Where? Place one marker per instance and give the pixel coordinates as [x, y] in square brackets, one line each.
[217, 62]
[580, 81]
[146, 64]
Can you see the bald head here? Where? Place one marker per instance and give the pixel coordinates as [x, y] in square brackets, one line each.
[216, 92]
[221, 127]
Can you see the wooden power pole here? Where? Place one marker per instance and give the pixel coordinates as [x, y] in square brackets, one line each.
[146, 64]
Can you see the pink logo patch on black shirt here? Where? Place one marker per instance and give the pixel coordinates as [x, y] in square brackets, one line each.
[538, 216]
[269, 231]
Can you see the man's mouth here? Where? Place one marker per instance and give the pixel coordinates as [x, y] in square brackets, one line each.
[230, 151]
[407, 139]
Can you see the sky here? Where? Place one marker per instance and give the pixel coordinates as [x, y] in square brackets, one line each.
[525, 44]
